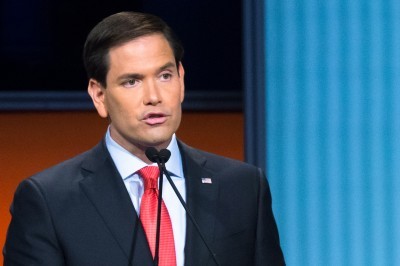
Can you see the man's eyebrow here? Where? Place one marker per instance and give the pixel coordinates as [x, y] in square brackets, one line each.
[167, 65]
[130, 76]
[140, 76]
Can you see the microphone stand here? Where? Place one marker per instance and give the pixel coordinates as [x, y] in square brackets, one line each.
[160, 189]
[153, 155]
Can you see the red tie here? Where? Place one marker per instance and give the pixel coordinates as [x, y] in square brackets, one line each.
[148, 216]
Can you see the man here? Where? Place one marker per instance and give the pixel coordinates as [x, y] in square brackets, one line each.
[90, 210]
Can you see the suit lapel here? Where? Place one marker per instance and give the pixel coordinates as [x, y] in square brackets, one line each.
[105, 189]
[202, 201]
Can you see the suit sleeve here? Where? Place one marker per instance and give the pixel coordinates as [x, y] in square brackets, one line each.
[268, 250]
[31, 238]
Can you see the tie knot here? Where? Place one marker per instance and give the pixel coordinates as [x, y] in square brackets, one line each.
[150, 176]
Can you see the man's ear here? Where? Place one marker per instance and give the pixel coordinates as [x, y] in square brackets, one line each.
[97, 93]
[182, 80]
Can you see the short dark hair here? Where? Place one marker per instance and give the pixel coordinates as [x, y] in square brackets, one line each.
[118, 29]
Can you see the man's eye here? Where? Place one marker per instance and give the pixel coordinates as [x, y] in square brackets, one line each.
[130, 83]
[166, 76]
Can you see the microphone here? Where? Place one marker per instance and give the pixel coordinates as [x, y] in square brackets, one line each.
[161, 158]
[158, 157]
[152, 154]
[164, 155]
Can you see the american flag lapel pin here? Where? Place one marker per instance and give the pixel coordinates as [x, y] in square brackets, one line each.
[206, 180]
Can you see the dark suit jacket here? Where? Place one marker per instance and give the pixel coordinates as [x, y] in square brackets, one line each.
[80, 213]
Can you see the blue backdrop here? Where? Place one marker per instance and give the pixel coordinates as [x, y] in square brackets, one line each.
[333, 129]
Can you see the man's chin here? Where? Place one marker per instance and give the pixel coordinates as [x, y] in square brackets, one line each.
[158, 143]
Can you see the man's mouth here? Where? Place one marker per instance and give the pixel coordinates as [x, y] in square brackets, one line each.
[154, 118]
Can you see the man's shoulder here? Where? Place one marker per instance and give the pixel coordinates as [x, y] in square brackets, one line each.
[69, 170]
[215, 161]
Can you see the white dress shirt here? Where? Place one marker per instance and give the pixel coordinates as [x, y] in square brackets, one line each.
[128, 164]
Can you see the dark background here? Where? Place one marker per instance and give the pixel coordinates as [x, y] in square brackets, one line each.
[41, 41]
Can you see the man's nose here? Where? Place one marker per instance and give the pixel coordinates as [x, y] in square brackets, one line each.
[152, 94]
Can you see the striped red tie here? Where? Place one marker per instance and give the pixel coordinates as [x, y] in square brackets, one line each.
[148, 216]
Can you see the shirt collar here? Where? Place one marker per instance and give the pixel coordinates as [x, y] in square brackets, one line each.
[127, 164]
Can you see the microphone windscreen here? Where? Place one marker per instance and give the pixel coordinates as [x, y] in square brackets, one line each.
[164, 155]
[152, 154]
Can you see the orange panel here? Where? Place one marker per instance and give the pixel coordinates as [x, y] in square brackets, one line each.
[33, 141]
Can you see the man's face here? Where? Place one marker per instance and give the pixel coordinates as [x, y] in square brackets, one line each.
[143, 95]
